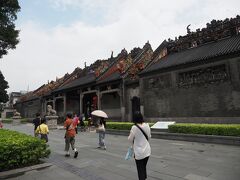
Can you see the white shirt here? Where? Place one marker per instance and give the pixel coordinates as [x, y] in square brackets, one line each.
[101, 128]
[141, 146]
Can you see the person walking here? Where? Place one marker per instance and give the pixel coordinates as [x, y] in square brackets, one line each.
[139, 138]
[82, 124]
[36, 123]
[76, 122]
[42, 129]
[101, 131]
[70, 135]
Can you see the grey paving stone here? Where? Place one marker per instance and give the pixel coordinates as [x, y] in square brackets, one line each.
[170, 160]
[162, 176]
[197, 177]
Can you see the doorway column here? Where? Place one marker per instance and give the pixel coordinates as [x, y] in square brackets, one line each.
[81, 103]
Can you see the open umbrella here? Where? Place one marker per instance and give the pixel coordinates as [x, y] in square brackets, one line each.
[99, 113]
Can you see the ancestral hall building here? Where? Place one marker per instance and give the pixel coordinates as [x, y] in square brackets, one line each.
[194, 78]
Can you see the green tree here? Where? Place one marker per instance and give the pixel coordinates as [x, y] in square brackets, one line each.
[3, 87]
[8, 33]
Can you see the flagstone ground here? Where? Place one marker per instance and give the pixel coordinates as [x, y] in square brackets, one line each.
[170, 160]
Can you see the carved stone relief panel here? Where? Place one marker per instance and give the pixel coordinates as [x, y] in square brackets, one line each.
[203, 76]
[160, 82]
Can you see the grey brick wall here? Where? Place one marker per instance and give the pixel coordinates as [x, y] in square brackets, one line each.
[162, 96]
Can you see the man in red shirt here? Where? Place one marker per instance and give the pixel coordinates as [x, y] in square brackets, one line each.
[70, 135]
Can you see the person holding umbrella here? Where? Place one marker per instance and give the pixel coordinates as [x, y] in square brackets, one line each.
[101, 127]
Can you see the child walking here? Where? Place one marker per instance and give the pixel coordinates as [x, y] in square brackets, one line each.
[42, 129]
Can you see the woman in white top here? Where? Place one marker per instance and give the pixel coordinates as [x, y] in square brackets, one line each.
[101, 131]
[139, 137]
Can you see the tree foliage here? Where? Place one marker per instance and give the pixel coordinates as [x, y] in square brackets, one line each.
[3, 87]
[8, 33]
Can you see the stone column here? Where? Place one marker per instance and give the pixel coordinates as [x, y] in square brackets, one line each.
[42, 107]
[141, 90]
[174, 79]
[81, 103]
[120, 93]
[45, 107]
[54, 103]
[99, 95]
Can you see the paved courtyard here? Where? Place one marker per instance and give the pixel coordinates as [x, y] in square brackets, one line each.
[170, 160]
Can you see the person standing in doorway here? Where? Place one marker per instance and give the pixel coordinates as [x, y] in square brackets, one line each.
[139, 138]
[70, 135]
[36, 123]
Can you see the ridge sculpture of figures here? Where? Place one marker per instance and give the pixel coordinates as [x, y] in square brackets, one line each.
[188, 29]
[51, 111]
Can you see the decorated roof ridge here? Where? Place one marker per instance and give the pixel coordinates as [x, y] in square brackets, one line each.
[214, 31]
[145, 48]
[211, 51]
[113, 66]
[88, 72]
[97, 65]
[140, 62]
[156, 54]
[137, 57]
[122, 65]
[48, 88]
[105, 64]
[74, 75]
[159, 49]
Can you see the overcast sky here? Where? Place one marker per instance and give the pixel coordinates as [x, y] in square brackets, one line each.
[56, 36]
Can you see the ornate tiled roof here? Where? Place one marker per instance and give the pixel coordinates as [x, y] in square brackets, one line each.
[208, 51]
[46, 89]
[140, 62]
[88, 75]
[128, 65]
[218, 38]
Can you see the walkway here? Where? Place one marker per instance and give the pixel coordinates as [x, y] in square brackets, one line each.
[170, 160]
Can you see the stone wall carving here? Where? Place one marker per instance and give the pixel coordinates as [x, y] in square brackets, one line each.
[203, 76]
[160, 82]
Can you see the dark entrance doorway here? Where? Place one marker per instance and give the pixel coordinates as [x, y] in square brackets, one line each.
[89, 104]
[135, 105]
